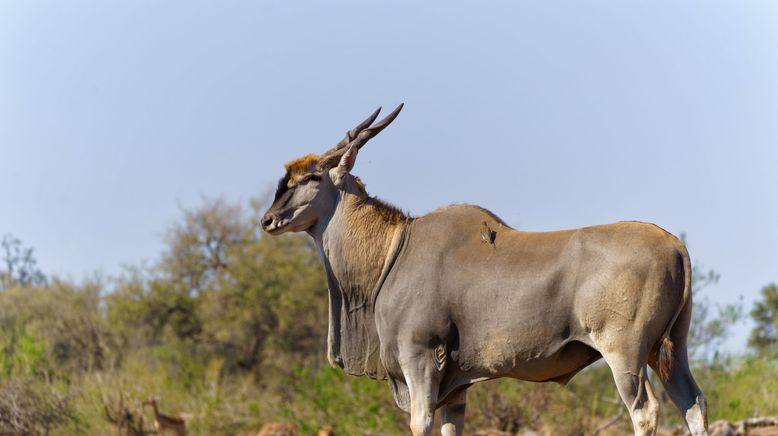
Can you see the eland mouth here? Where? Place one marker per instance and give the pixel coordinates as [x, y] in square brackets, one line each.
[273, 225]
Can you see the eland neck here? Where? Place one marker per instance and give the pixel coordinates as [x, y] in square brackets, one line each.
[354, 242]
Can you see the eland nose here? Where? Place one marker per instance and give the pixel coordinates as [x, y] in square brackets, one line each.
[267, 220]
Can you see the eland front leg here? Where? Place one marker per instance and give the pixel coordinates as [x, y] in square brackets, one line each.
[423, 379]
[453, 419]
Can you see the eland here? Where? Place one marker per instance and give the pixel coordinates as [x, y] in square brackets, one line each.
[436, 303]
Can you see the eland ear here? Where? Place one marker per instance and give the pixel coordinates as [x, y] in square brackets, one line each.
[345, 165]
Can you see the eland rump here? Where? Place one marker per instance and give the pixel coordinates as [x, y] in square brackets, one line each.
[438, 302]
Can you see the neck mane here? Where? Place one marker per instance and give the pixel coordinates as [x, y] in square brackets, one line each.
[369, 226]
[354, 246]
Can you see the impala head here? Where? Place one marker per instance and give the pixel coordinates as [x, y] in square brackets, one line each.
[310, 188]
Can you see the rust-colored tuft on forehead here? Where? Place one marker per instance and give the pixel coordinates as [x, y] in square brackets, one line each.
[298, 167]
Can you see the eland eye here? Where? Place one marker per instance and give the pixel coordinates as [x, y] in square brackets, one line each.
[308, 178]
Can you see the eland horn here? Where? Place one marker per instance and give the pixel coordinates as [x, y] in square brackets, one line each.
[358, 136]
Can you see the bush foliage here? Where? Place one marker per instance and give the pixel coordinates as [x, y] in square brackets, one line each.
[228, 329]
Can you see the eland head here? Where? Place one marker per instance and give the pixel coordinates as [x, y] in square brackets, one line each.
[312, 184]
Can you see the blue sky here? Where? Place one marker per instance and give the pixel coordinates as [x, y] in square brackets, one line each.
[116, 115]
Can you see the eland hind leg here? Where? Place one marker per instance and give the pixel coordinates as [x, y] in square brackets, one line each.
[687, 396]
[629, 369]
[680, 384]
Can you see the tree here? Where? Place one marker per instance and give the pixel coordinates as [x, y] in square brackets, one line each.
[228, 292]
[260, 299]
[32, 410]
[18, 264]
[764, 336]
[198, 247]
[52, 331]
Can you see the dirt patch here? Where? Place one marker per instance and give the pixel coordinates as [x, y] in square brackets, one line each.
[749, 427]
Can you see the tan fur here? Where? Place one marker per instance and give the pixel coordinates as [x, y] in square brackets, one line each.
[371, 225]
[301, 166]
[167, 423]
[665, 358]
[279, 429]
[361, 185]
